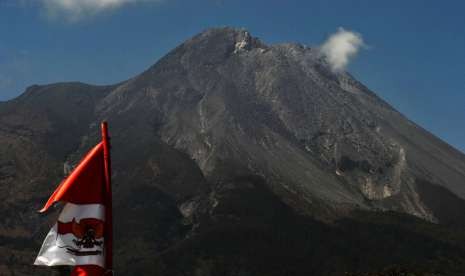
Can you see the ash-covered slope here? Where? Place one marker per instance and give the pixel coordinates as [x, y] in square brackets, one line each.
[238, 106]
[227, 137]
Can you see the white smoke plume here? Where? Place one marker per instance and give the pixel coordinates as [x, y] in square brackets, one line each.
[74, 10]
[341, 47]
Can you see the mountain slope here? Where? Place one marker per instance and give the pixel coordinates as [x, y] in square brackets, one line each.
[277, 111]
[227, 138]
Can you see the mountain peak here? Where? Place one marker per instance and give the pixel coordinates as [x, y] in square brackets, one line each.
[224, 41]
[227, 34]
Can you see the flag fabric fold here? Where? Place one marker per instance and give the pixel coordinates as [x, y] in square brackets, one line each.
[77, 238]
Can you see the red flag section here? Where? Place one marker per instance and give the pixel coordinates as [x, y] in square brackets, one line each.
[88, 270]
[79, 229]
[86, 184]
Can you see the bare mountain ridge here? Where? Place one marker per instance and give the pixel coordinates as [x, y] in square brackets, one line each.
[219, 132]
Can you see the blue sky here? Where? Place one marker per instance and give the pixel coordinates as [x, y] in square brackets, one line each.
[415, 57]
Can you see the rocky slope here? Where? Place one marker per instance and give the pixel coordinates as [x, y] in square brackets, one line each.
[227, 153]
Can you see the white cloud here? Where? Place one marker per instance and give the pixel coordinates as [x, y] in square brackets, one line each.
[74, 10]
[340, 47]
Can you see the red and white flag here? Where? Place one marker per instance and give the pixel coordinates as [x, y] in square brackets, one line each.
[82, 236]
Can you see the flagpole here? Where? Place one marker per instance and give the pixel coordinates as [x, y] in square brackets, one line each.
[108, 201]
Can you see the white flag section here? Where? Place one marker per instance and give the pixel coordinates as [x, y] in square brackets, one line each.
[76, 238]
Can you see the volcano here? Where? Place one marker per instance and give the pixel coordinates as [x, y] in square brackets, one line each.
[234, 157]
